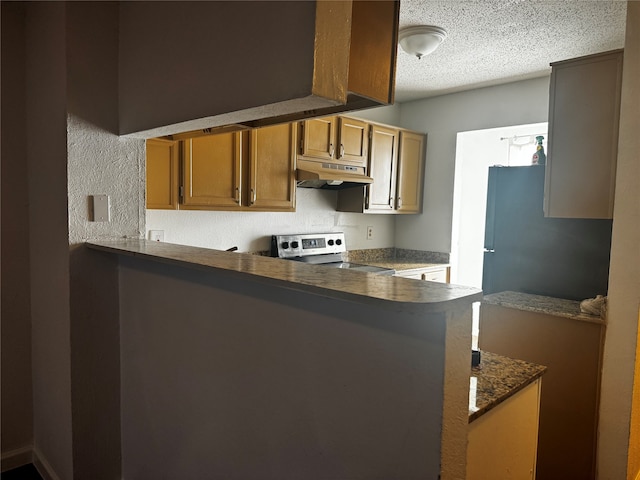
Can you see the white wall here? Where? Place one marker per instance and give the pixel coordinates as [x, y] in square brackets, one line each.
[624, 274]
[442, 118]
[251, 231]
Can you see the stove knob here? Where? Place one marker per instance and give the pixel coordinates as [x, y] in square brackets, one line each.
[330, 242]
[285, 245]
[338, 242]
[295, 244]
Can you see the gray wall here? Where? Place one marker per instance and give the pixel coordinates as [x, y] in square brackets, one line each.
[442, 118]
[46, 147]
[177, 58]
[241, 379]
[17, 405]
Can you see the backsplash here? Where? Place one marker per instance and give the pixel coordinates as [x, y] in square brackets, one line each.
[251, 231]
[393, 253]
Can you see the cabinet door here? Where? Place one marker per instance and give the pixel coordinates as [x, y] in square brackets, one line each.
[319, 135]
[353, 141]
[436, 275]
[212, 170]
[162, 174]
[584, 110]
[502, 443]
[380, 195]
[272, 172]
[410, 173]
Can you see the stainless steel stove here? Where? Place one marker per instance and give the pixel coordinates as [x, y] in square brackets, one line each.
[324, 249]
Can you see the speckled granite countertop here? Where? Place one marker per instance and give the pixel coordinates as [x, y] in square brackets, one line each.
[385, 291]
[541, 304]
[496, 379]
[399, 259]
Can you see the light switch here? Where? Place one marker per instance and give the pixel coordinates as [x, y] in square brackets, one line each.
[101, 208]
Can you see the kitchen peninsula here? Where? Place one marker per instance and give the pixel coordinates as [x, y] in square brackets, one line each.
[240, 364]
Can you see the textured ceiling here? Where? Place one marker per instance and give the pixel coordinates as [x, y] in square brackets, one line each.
[498, 41]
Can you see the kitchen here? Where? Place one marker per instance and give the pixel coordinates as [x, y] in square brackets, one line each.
[81, 230]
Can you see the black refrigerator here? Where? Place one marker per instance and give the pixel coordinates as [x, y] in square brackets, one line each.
[526, 252]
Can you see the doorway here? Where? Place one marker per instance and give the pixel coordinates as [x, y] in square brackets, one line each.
[476, 151]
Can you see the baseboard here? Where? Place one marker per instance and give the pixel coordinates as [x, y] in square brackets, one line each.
[44, 469]
[16, 458]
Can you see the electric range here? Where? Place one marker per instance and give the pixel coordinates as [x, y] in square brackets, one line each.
[324, 249]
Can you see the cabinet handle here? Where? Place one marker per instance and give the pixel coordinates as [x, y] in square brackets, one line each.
[237, 199]
[331, 150]
[253, 196]
[399, 202]
[341, 151]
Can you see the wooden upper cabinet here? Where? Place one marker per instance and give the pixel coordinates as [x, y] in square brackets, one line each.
[353, 141]
[584, 109]
[272, 183]
[383, 164]
[396, 164]
[318, 138]
[162, 174]
[242, 170]
[410, 173]
[212, 170]
[335, 139]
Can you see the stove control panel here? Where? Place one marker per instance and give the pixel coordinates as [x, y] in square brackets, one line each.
[304, 245]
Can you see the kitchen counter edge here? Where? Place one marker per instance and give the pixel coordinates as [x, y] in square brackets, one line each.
[384, 291]
[558, 307]
[498, 379]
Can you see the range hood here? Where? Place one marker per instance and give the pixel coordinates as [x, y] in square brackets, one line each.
[330, 176]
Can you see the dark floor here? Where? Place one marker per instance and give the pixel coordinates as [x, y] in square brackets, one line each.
[26, 472]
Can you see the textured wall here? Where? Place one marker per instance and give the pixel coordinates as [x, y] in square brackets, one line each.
[103, 163]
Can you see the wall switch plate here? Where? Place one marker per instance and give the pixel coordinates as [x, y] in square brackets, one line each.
[369, 232]
[156, 235]
[101, 208]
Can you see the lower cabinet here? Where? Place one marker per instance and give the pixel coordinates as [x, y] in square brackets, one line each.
[571, 348]
[502, 443]
[431, 274]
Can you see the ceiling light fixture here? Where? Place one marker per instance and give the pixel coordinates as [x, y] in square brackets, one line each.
[421, 40]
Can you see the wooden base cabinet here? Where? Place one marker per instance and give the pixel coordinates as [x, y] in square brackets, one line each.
[502, 443]
[571, 349]
[431, 274]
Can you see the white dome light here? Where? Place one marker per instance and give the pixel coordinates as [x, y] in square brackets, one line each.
[421, 40]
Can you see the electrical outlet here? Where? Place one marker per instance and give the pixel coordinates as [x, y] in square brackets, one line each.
[156, 235]
[369, 232]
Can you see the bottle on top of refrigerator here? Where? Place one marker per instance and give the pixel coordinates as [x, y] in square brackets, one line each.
[539, 157]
